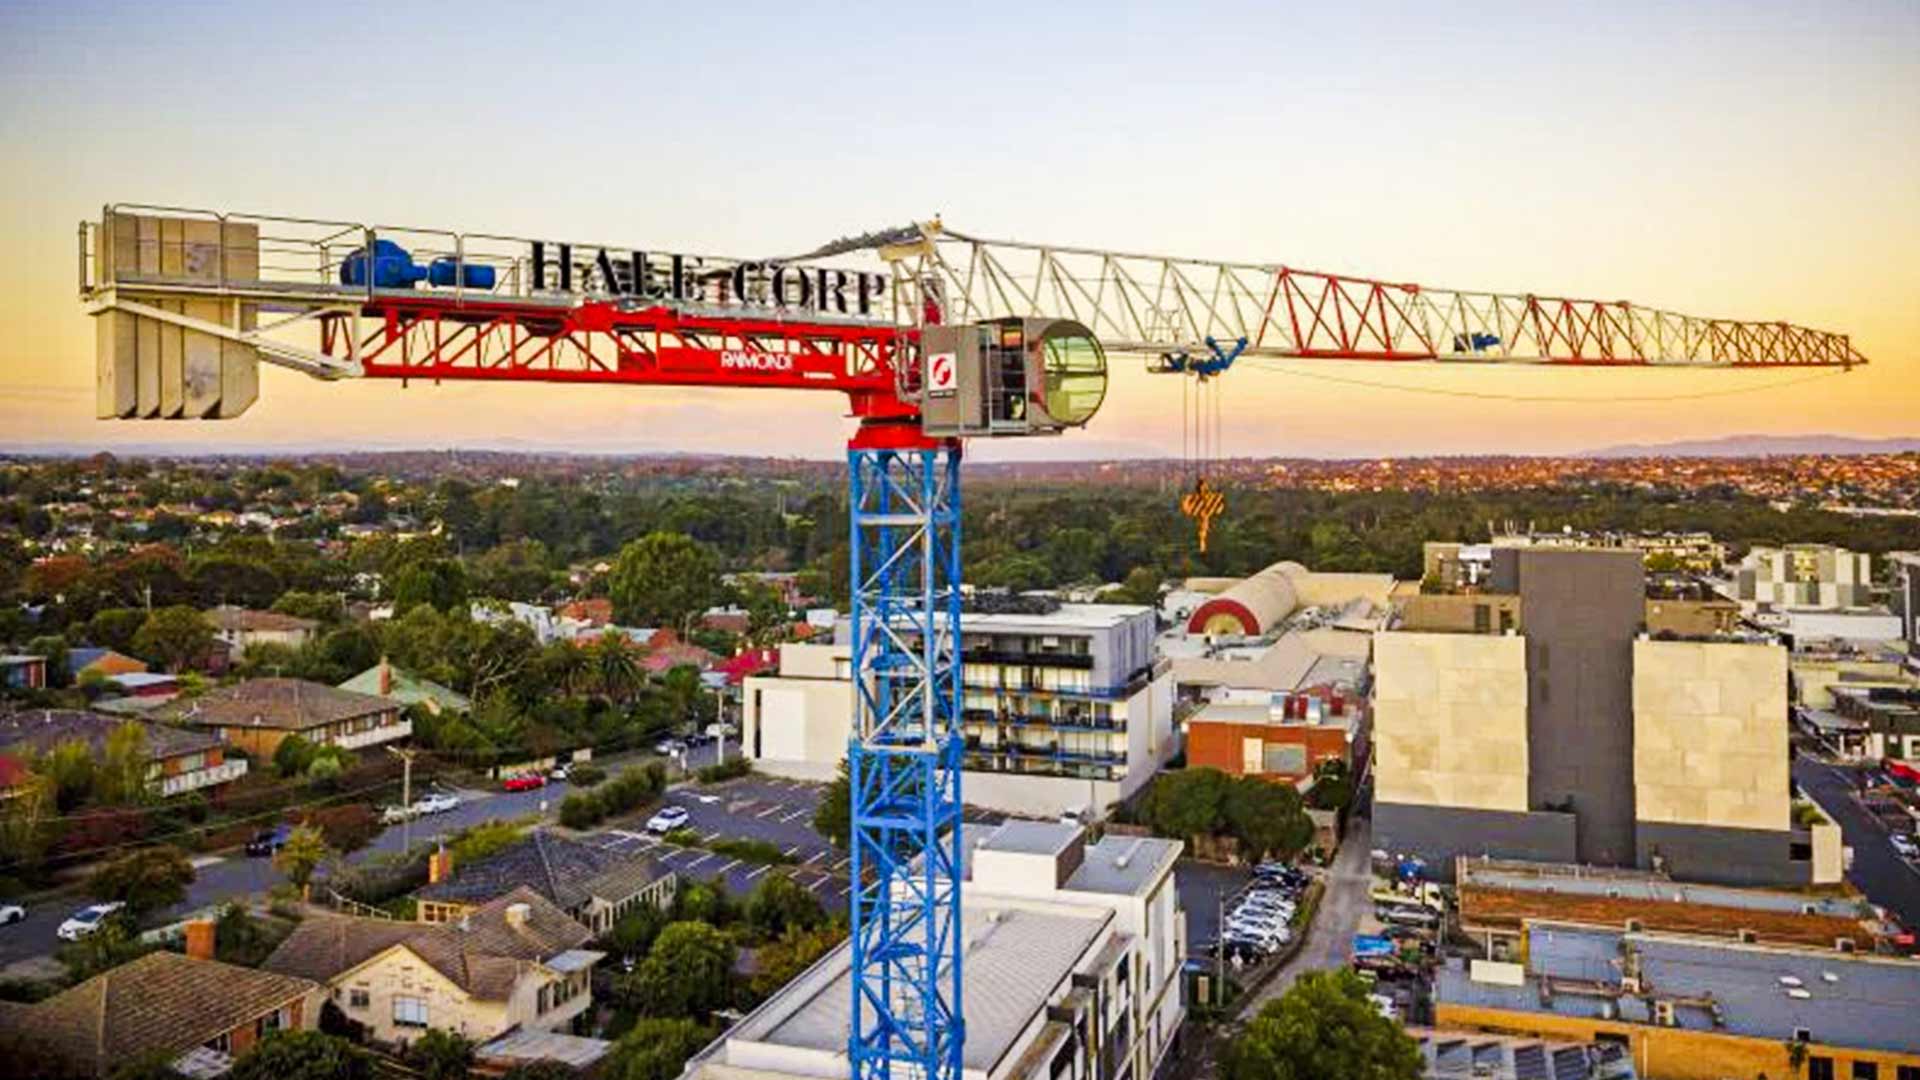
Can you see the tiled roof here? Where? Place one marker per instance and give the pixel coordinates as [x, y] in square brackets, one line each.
[161, 1003]
[483, 953]
[565, 871]
[40, 730]
[292, 704]
[245, 619]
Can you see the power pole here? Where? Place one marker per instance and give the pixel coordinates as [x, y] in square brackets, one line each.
[406, 796]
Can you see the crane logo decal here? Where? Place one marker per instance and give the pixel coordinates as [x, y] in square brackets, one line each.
[940, 374]
[755, 361]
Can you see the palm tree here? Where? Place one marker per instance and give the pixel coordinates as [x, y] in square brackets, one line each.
[614, 666]
[300, 856]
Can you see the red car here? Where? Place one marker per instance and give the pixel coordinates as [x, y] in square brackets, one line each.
[523, 782]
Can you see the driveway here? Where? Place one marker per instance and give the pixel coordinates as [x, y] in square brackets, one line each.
[1885, 878]
[1343, 901]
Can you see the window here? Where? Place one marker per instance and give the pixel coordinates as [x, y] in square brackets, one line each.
[1062, 1061]
[1865, 1070]
[1482, 619]
[410, 1011]
[1819, 1068]
[1907, 1072]
[1289, 759]
[272, 1021]
[222, 1042]
[358, 999]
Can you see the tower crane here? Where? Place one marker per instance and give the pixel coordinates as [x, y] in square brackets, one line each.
[948, 338]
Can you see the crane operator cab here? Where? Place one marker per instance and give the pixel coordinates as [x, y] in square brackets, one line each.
[1010, 376]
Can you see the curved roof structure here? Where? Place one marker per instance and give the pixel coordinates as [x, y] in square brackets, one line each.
[1252, 607]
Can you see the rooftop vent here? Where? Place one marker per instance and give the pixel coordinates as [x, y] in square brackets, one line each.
[517, 914]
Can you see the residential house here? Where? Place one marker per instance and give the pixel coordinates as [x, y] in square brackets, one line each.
[22, 672]
[239, 628]
[105, 661]
[398, 684]
[514, 963]
[194, 1012]
[178, 761]
[593, 886]
[257, 714]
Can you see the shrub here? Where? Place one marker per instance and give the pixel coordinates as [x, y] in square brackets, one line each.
[293, 756]
[759, 851]
[685, 837]
[726, 770]
[581, 810]
[349, 827]
[585, 776]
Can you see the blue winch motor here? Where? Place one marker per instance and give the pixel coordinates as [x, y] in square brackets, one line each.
[445, 271]
[394, 268]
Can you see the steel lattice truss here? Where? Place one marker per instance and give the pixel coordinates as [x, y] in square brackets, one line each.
[1159, 304]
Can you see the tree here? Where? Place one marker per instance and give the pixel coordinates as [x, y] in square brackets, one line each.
[320, 607]
[111, 944]
[120, 777]
[54, 648]
[688, 973]
[303, 1055]
[656, 1049]
[145, 880]
[301, 855]
[779, 904]
[615, 669]
[833, 817]
[440, 1055]
[293, 756]
[1186, 803]
[663, 579]
[148, 1067]
[1141, 587]
[1323, 1026]
[1267, 818]
[238, 937]
[174, 637]
[780, 962]
[27, 824]
[1332, 786]
[440, 584]
[114, 628]
[348, 826]
[69, 768]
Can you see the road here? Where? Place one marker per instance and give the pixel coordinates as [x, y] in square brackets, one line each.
[1886, 879]
[221, 878]
[1344, 900]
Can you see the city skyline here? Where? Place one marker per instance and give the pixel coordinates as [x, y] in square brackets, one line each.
[1635, 154]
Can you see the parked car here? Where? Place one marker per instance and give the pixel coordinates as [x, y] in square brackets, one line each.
[269, 841]
[667, 819]
[438, 802]
[86, 921]
[559, 773]
[669, 747]
[1385, 1006]
[523, 782]
[394, 815]
[1904, 846]
[1408, 915]
[11, 913]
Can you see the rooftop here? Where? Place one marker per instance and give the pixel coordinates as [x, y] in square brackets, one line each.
[40, 730]
[1499, 1057]
[1015, 958]
[162, 1003]
[292, 704]
[237, 619]
[483, 953]
[566, 871]
[1759, 991]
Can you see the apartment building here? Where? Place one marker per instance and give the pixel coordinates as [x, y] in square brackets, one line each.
[1906, 592]
[1812, 576]
[1575, 737]
[1072, 961]
[1062, 709]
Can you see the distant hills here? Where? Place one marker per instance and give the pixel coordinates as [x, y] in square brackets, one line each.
[1760, 446]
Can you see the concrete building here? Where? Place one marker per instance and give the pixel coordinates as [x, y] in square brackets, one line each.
[1284, 738]
[1062, 710]
[1573, 737]
[1813, 576]
[1072, 969]
[1906, 594]
[1695, 1008]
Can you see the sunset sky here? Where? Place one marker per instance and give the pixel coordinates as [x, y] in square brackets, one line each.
[1750, 160]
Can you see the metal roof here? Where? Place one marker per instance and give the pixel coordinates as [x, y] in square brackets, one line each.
[1850, 1001]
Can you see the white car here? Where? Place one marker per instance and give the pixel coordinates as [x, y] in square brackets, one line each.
[86, 921]
[1904, 846]
[11, 913]
[437, 803]
[394, 815]
[667, 819]
[559, 774]
[1385, 1006]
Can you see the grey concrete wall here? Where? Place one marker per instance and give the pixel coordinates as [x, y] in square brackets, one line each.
[1581, 610]
[1721, 855]
[1439, 833]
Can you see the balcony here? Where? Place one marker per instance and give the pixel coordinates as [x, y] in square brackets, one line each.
[988, 761]
[195, 779]
[385, 733]
[1067, 722]
[1078, 661]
